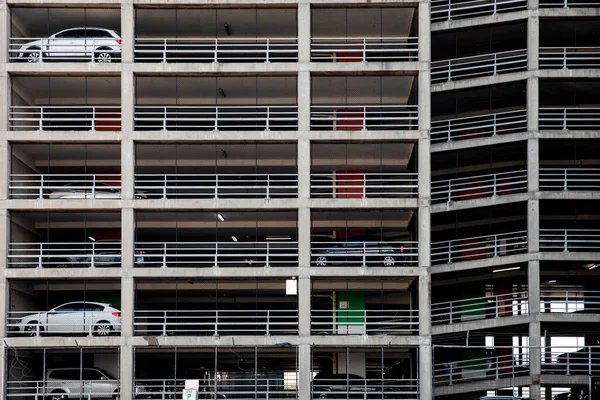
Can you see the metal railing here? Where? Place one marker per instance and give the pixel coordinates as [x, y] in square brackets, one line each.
[206, 118]
[581, 361]
[570, 178]
[216, 322]
[446, 10]
[478, 66]
[77, 389]
[102, 50]
[218, 254]
[387, 254]
[569, 3]
[39, 186]
[257, 387]
[364, 322]
[569, 57]
[217, 185]
[570, 301]
[363, 117]
[472, 187]
[65, 255]
[37, 323]
[479, 247]
[476, 308]
[475, 126]
[349, 49]
[354, 387]
[216, 49]
[484, 368]
[569, 240]
[564, 118]
[364, 185]
[94, 118]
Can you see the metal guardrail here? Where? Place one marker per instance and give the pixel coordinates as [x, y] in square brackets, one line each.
[101, 50]
[478, 66]
[216, 49]
[569, 3]
[446, 10]
[569, 57]
[569, 118]
[218, 254]
[65, 255]
[476, 126]
[364, 185]
[350, 49]
[203, 118]
[583, 361]
[570, 179]
[225, 388]
[354, 387]
[217, 185]
[39, 186]
[569, 240]
[38, 323]
[472, 187]
[364, 322]
[479, 247]
[387, 254]
[216, 322]
[570, 301]
[484, 368]
[363, 117]
[83, 390]
[501, 305]
[94, 118]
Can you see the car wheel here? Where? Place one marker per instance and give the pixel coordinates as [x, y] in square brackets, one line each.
[35, 55]
[389, 261]
[321, 261]
[103, 56]
[31, 329]
[57, 395]
[103, 328]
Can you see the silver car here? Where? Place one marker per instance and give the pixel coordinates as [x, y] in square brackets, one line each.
[98, 44]
[88, 190]
[99, 319]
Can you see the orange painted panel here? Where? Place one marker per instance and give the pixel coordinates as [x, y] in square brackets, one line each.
[356, 179]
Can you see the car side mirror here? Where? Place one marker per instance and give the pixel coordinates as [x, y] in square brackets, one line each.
[104, 378]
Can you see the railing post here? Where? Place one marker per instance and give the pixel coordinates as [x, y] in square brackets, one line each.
[364, 255]
[216, 50]
[268, 322]
[364, 49]
[495, 55]
[451, 373]
[216, 254]
[494, 121]
[564, 119]
[494, 185]
[495, 245]
[93, 118]
[449, 129]
[565, 247]
[495, 7]
[365, 117]
[164, 255]
[451, 321]
[268, 50]
[216, 186]
[449, 70]
[164, 50]
[497, 365]
[449, 251]
[564, 58]
[165, 186]
[216, 330]
[267, 260]
[93, 186]
[568, 364]
[41, 186]
[40, 257]
[567, 301]
[216, 127]
[268, 186]
[497, 306]
[267, 121]
[164, 330]
[93, 257]
[164, 118]
[41, 124]
[565, 180]
[589, 361]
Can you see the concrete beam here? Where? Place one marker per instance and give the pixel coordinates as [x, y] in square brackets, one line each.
[482, 202]
[483, 81]
[478, 21]
[491, 323]
[533, 226]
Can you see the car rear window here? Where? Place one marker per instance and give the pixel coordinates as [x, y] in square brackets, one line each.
[66, 374]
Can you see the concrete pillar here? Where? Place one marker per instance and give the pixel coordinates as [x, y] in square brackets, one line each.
[127, 239]
[127, 305]
[304, 227]
[533, 226]
[304, 168]
[4, 32]
[127, 168]
[4, 98]
[425, 305]
[4, 168]
[127, 31]
[304, 302]
[533, 104]
[4, 303]
[424, 71]
[126, 372]
[304, 34]
[533, 165]
[533, 42]
[304, 372]
[303, 101]
[127, 100]
[425, 370]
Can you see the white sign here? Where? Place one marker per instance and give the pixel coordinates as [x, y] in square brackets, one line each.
[192, 384]
[190, 394]
[291, 287]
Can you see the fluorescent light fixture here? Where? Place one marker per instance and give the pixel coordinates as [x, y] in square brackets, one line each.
[593, 266]
[552, 281]
[284, 237]
[234, 238]
[220, 216]
[506, 269]
[92, 238]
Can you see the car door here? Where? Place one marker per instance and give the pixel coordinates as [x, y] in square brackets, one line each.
[58, 319]
[96, 384]
[64, 44]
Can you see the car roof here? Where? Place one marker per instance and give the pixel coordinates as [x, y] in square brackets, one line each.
[85, 28]
[86, 302]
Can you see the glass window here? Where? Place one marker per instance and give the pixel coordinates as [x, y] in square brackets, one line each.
[92, 375]
[66, 374]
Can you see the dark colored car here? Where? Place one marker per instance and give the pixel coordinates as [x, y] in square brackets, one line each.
[386, 253]
[341, 386]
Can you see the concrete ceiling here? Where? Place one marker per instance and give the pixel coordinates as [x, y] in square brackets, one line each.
[363, 90]
[362, 22]
[73, 90]
[60, 154]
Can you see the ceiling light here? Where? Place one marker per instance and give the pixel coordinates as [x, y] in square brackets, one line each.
[234, 238]
[284, 237]
[505, 269]
[92, 238]
[552, 281]
[220, 216]
[593, 266]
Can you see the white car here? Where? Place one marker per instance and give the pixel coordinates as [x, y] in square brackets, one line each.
[87, 383]
[88, 190]
[104, 45]
[100, 319]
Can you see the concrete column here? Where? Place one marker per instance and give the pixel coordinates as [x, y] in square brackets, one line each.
[425, 371]
[126, 372]
[533, 226]
[127, 168]
[425, 305]
[4, 303]
[303, 101]
[304, 238]
[304, 34]
[424, 70]
[304, 372]
[4, 300]
[533, 104]
[304, 168]
[533, 165]
[304, 306]
[4, 168]
[127, 239]
[127, 100]
[4, 32]
[4, 98]
[533, 42]
[533, 282]
[127, 305]
[127, 31]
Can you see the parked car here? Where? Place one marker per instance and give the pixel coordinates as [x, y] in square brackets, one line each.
[104, 45]
[89, 190]
[342, 386]
[385, 252]
[88, 383]
[100, 319]
[503, 398]
[100, 258]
